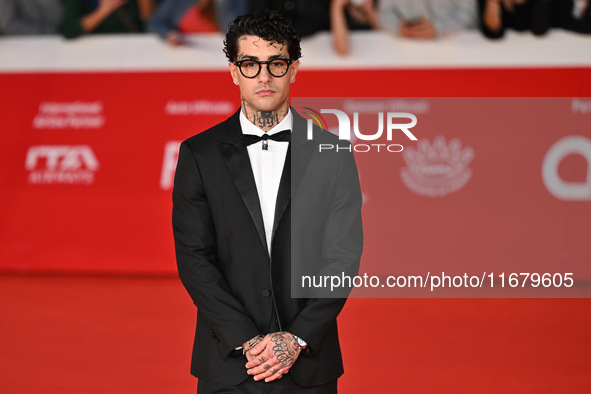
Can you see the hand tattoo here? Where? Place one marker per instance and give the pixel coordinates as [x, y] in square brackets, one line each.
[284, 351]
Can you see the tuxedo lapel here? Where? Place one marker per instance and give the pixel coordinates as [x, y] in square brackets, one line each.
[284, 192]
[302, 150]
[236, 158]
[293, 170]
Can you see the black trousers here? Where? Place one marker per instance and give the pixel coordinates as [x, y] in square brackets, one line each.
[285, 385]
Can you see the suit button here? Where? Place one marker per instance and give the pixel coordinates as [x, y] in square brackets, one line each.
[266, 293]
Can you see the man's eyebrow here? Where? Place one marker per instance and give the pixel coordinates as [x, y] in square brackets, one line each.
[243, 56]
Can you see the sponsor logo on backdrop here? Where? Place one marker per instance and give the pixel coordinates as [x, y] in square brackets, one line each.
[61, 164]
[199, 107]
[171, 156]
[392, 124]
[558, 187]
[581, 106]
[69, 115]
[368, 124]
[373, 106]
[437, 169]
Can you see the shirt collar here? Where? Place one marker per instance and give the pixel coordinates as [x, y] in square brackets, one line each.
[249, 128]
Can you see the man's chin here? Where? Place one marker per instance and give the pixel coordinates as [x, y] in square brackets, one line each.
[266, 107]
[267, 103]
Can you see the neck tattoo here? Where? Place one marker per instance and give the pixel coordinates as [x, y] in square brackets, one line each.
[265, 120]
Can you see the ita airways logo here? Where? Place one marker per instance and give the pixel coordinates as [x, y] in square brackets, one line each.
[437, 169]
[558, 187]
[61, 164]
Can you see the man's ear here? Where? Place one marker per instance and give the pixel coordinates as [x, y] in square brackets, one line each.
[234, 72]
[293, 70]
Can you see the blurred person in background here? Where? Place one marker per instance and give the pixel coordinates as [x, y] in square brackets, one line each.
[497, 15]
[307, 16]
[537, 16]
[426, 19]
[174, 17]
[171, 17]
[105, 16]
[348, 15]
[30, 16]
[573, 15]
[228, 10]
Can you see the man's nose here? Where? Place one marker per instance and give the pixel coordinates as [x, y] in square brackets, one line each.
[264, 76]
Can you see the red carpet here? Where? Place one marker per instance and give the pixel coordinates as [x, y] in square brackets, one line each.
[123, 335]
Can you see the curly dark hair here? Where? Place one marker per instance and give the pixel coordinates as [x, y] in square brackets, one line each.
[264, 23]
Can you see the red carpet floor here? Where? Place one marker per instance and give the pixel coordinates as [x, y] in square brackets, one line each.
[123, 335]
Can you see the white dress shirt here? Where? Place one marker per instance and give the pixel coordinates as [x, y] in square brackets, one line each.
[267, 167]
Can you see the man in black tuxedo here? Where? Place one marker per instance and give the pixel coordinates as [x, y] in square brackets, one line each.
[256, 204]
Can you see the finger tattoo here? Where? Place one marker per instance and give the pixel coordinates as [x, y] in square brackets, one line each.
[266, 366]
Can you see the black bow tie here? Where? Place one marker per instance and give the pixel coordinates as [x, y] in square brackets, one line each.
[249, 139]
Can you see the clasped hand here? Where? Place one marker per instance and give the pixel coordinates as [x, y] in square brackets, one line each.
[272, 357]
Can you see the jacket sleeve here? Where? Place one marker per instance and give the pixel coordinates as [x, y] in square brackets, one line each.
[195, 245]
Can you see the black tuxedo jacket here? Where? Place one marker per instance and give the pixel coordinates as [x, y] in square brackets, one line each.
[239, 290]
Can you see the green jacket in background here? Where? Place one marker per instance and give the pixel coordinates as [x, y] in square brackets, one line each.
[126, 19]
